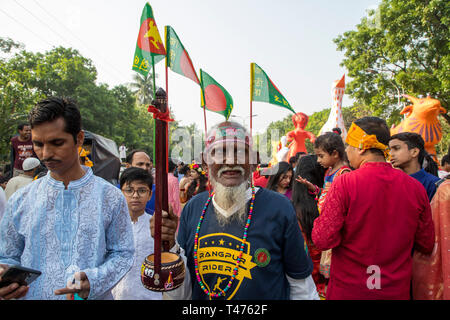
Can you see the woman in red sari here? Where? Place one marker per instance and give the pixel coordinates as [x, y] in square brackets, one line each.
[431, 273]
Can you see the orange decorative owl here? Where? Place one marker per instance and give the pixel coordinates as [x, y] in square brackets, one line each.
[422, 118]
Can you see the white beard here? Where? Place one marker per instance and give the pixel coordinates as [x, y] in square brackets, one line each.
[227, 198]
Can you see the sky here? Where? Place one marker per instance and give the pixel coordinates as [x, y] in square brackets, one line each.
[291, 40]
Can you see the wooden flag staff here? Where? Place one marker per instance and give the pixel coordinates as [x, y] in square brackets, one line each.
[161, 271]
[251, 99]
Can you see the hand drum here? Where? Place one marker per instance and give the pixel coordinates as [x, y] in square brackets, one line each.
[170, 277]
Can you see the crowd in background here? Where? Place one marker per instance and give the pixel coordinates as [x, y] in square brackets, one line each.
[305, 179]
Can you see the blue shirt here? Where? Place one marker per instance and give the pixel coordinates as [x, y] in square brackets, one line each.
[150, 206]
[59, 231]
[274, 248]
[427, 180]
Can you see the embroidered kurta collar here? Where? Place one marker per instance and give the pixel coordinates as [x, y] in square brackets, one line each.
[75, 184]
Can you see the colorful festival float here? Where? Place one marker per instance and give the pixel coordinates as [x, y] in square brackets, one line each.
[335, 119]
[297, 137]
[422, 117]
[282, 150]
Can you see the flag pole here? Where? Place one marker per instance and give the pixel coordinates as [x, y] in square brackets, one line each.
[158, 214]
[168, 111]
[202, 97]
[167, 95]
[251, 118]
[154, 97]
[251, 99]
[204, 116]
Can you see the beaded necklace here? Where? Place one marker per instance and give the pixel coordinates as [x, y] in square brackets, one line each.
[244, 238]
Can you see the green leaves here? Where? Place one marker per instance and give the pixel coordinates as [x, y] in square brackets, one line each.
[402, 47]
[26, 78]
[406, 43]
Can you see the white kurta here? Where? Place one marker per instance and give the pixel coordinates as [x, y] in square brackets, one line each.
[130, 287]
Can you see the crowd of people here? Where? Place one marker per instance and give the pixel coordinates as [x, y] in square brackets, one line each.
[364, 218]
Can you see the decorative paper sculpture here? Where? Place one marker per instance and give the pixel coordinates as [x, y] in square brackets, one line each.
[283, 150]
[296, 138]
[422, 118]
[335, 119]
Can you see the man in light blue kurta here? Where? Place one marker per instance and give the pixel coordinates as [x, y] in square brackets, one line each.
[60, 232]
[69, 223]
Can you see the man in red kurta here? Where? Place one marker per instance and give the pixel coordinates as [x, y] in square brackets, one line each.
[373, 218]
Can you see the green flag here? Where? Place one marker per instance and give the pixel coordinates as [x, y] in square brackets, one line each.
[149, 47]
[214, 97]
[264, 90]
[178, 59]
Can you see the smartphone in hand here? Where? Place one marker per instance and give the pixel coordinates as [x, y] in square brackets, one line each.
[21, 275]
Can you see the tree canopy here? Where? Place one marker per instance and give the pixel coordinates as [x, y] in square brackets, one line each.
[402, 47]
[27, 77]
[118, 113]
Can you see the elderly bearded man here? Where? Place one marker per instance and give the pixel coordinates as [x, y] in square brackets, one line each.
[240, 242]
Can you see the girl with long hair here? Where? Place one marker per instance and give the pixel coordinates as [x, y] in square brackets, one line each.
[281, 179]
[330, 151]
[307, 211]
[197, 183]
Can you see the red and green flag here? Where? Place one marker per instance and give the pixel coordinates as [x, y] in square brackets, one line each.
[178, 59]
[149, 47]
[214, 97]
[264, 90]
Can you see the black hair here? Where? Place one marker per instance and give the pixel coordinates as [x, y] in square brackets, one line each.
[337, 130]
[304, 203]
[445, 159]
[3, 179]
[279, 169]
[299, 154]
[202, 180]
[132, 174]
[330, 142]
[184, 169]
[129, 158]
[292, 160]
[53, 108]
[172, 165]
[377, 127]
[41, 171]
[415, 140]
[21, 125]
